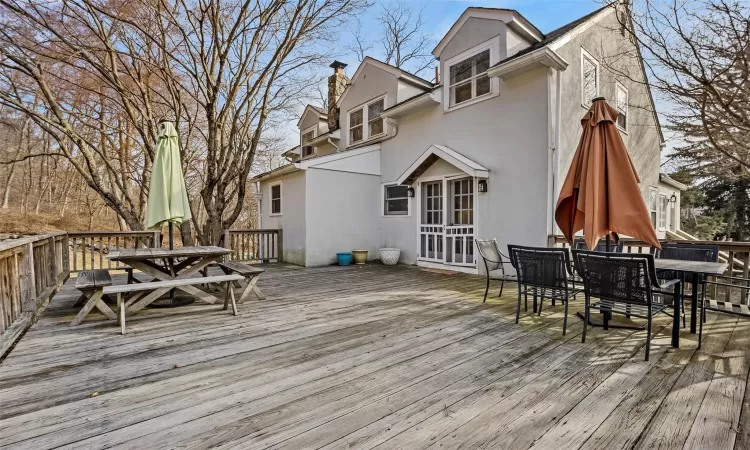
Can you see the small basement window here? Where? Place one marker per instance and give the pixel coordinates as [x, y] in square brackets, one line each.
[396, 200]
[276, 199]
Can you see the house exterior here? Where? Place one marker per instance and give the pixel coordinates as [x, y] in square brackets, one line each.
[399, 161]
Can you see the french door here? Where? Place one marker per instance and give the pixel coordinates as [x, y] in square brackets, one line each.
[446, 228]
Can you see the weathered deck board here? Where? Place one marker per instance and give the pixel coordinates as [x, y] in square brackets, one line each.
[365, 357]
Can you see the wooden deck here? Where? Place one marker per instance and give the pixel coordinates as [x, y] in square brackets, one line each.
[370, 357]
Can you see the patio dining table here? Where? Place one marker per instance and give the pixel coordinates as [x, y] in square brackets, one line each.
[165, 264]
[694, 270]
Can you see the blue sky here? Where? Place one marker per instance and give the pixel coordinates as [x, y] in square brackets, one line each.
[441, 14]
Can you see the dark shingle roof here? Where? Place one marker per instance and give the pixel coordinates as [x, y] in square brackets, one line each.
[554, 35]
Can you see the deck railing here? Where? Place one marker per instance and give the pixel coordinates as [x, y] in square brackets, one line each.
[32, 269]
[88, 250]
[261, 246]
[734, 286]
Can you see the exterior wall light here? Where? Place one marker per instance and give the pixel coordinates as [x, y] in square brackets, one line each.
[482, 185]
[673, 198]
[410, 192]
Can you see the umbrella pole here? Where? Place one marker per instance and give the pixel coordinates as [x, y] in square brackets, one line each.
[171, 236]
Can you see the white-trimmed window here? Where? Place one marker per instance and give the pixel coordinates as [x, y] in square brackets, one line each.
[468, 78]
[653, 206]
[307, 136]
[621, 102]
[276, 199]
[663, 205]
[369, 114]
[396, 200]
[589, 78]
[374, 121]
[356, 127]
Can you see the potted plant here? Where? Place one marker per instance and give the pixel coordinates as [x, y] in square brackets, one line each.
[359, 256]
[390, 256]
[344, 258]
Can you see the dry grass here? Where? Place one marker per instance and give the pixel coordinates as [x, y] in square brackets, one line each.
[15, 222]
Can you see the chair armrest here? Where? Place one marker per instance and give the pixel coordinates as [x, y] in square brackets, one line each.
[668, 283]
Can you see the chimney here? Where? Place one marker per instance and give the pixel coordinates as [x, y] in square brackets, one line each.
[336, 85]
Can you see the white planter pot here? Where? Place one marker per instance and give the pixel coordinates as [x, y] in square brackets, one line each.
[390, 256]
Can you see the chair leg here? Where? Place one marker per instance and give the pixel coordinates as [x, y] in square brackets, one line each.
[486, 289]
[539, 311]
[502, 284]
[525, 301]
[605, 317]
[518, 309]
[585, 318]
[565, 317]
[648, 335]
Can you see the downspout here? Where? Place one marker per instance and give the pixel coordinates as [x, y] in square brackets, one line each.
[392, 123]
[556, 151]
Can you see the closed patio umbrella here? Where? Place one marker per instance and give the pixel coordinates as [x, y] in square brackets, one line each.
[167, 195]
[600, 194]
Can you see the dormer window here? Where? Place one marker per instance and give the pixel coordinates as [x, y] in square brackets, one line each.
[369, 114]
[355, 125]
[307, 136]
[468, 78]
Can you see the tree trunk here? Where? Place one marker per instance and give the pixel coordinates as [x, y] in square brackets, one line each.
[8, 181]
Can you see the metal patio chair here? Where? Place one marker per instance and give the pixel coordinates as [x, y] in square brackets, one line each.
[601, 246]
[546, 272]
[624, 283]
[494, 264]
[685, 252]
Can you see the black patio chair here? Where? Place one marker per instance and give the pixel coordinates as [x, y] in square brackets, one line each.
[624, 283]
[685, 252]
[601, 246]
[494, 264]
[545, 271]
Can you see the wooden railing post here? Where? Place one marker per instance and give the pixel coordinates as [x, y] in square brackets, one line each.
[26, 278]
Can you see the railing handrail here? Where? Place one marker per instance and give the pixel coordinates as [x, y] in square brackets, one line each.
[255, 230]
[112, 233]
[9, 244]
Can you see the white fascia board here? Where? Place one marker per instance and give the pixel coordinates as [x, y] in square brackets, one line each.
[666, 179]
[567, 37]
[544, 56]
[450, 156]
[364, 160]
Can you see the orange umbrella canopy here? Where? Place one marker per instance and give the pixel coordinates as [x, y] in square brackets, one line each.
[600, 194]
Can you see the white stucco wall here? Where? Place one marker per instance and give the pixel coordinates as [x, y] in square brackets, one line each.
[506, 134]
[372, 82]
[605, 43]
[342, 211]
[292, 218]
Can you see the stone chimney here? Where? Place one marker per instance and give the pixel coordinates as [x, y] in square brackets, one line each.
[336, 85]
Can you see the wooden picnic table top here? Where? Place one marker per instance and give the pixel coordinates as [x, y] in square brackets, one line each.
[160, 253]
[702, 267]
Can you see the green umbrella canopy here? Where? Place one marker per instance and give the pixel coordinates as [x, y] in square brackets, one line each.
[167, 195]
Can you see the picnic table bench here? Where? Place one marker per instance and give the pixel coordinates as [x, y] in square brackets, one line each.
[250, 273]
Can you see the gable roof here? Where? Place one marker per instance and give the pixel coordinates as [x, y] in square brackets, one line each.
[318, 111]
[399, 73]
[435, 152]
[513, 18]
[554, 35]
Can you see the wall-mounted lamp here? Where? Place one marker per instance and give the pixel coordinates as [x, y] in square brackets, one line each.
[673, 198]
[482, 185]
[410, 192]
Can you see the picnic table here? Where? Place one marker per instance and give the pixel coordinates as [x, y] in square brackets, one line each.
[167, 265]
[695, 270]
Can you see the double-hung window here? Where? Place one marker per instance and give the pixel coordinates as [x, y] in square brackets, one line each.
[589, 78]
[365, 122]
[307, 150]
[356, 129]
[622, 107]
[374, 121]
[663, 205]
[396, 200]
[653, 206]
[468, 78]
[276, 199]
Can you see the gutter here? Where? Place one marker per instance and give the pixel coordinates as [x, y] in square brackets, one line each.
[544, 56]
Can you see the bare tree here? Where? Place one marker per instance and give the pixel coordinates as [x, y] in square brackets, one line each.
[696, 54]
[404, 43]
[106, 73]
